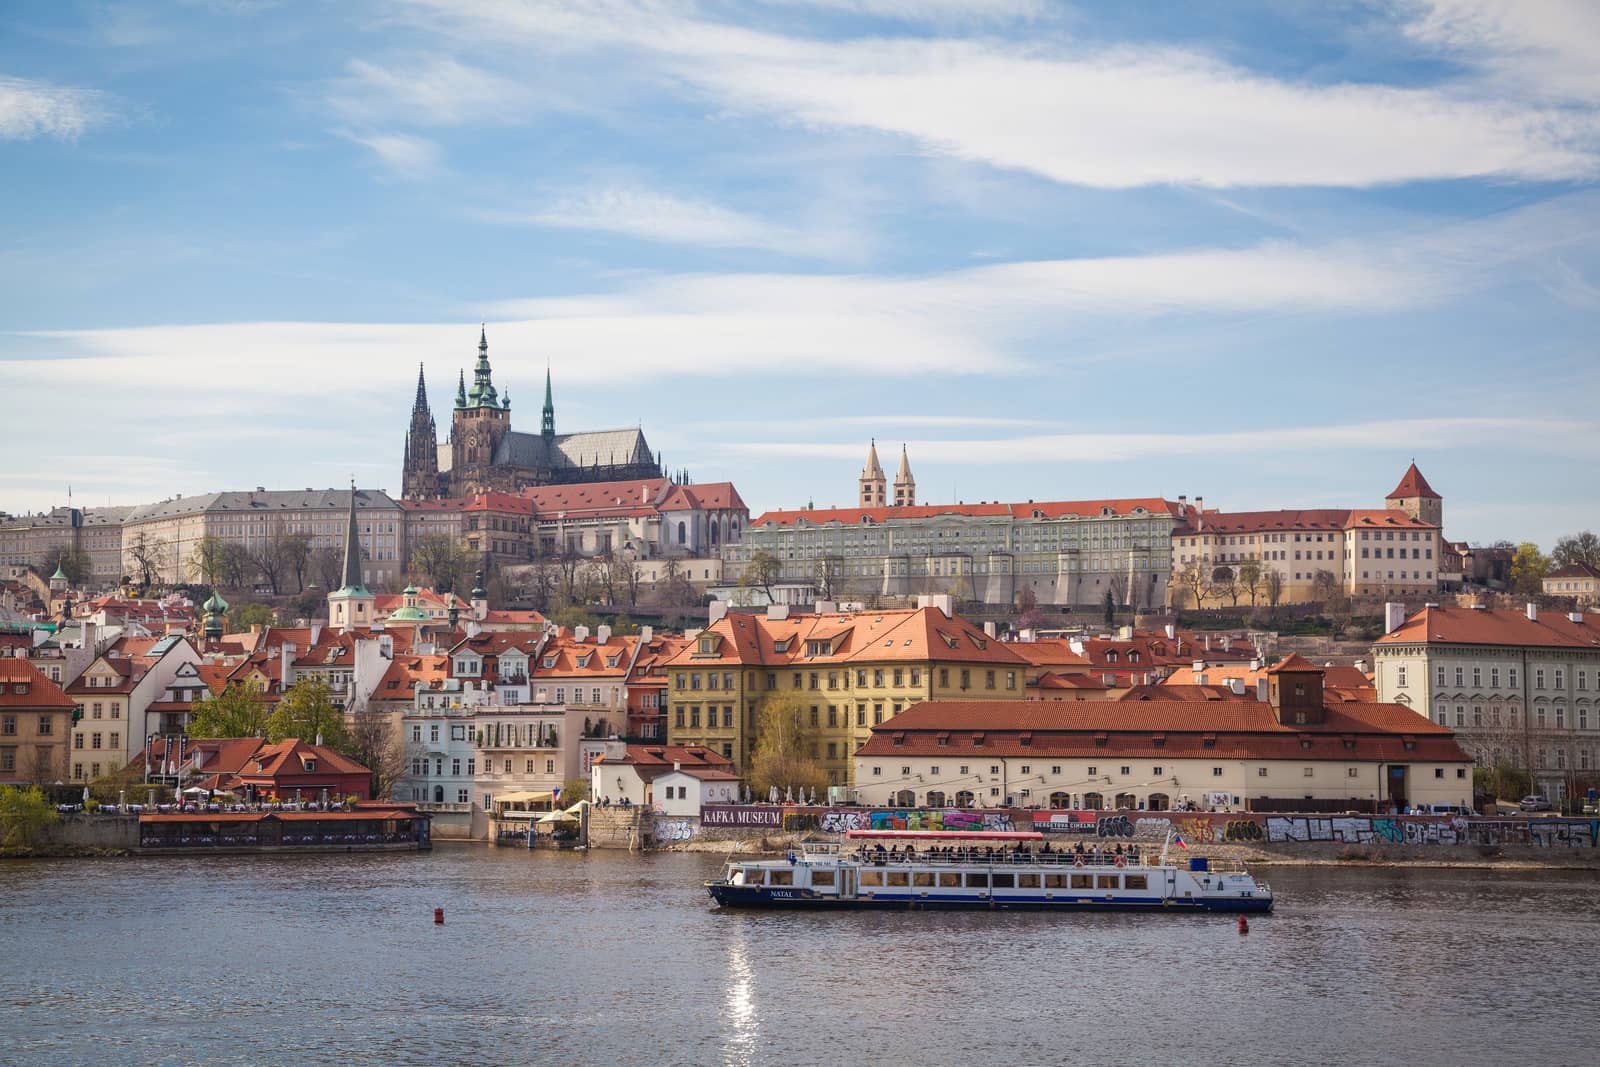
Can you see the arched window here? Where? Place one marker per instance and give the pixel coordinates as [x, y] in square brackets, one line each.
[438, 794]
[1093, 802]
[1126, 802]
[965, 799]
[714, 533]
[936, 799]
[683, 533]
[905, 798]
[1158, 802]
[1060, 800]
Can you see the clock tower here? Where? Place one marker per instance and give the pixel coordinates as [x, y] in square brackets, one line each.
[480, 420]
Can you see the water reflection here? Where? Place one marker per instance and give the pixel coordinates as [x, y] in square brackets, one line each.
[740, 1020]
[610, 958]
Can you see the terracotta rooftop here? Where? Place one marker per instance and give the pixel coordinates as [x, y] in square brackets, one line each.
[1496, 626]
[1412, 483]
[1043, 509]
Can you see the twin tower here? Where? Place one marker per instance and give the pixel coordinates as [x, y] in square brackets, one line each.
[874, 486]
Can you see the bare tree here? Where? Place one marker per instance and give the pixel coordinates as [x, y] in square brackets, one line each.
[327, 567]
[1273, 586]
[373, 739]
[1226, 583]
[763, 571]
[238, 566]
[147, 553]
[1324, 586]
[1250, 576]
[828, 573]
[1117, 585]
[207, 559]
[1194, 582]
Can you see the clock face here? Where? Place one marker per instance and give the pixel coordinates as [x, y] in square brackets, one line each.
[472, 440]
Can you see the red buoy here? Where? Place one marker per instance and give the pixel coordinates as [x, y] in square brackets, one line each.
[438, 917]
[1244, 924]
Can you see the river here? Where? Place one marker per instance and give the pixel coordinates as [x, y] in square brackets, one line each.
[610, 958]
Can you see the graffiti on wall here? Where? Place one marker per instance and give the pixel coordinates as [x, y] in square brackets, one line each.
[740, 815]
[672, 831]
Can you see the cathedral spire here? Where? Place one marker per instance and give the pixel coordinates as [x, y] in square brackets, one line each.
[461, 389]
[420, 474]
[422, 392]
[548, 429]
[483, 391]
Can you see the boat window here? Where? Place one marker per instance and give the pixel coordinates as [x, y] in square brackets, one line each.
[1137, 881]
[976, 880]
[949, 880]
[871, 877]
[1027, 881]
[899, 878]
[1107, 881]
[1055, 881]
[922, 878]
[1083, 881]
[824, 877]
[741, 876]
[1005, 881]
[780, 878]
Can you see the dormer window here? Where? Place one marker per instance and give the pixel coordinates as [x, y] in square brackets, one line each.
[611, 661]
[549, 663]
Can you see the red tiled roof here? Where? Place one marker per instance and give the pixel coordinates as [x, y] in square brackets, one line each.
[1324, 519]
[1222, 729]
[42, 692]
[1575, 570]
[1495, 626]
[1045, 509]
[1052, 680]
[1412, 483]
[906, 634]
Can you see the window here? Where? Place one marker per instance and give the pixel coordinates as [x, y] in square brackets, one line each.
[1216, 772]
[1309, 772]
[1400, 676]
[116, 740]
[1261, 772]
[94, 742]
[549, 766]
[8, 726]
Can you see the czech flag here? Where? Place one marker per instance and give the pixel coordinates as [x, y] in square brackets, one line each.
[1177, 839]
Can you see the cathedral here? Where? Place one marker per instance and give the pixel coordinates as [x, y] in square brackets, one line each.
[484, 454]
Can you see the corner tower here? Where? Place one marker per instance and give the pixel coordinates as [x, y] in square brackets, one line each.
[420, 475]
[1416, 498]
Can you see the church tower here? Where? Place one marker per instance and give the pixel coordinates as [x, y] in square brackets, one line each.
[873, 484]
[905, 486]
[420, 478]
[1416, 498]
[350, 606]
[478, 424]
[547, 428]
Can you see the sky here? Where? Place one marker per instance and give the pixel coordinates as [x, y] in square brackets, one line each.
[1265, 254]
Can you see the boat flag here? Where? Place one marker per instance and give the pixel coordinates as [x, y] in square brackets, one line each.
[1177, 839]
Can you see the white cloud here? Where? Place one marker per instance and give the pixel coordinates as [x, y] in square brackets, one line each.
[428, 91]
[654, 216]
[404, 154]
[1113, 118]
[1535, 435]
[938, 11]
[1546, 48]
[31, 109]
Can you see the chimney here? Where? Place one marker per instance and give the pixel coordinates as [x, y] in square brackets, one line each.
[1575, 616]
[1255, 664]
[286, 663]
[716, 611]
[1172, 631]
[319, 738]
[677, 765]
[1394, 616]
[1183, 499]
[473, 629]
[1199, 665]
[602, 634]
[825, 607]
[777, 612]
[580, 634]
[1533, 612]
[1227, 642]
[90, 632]
[316, 632]
[1236, 686]
[1208, 642]
[1199, 679]
[989, 629]
[646, 634]
[1360, 665]
[1263, 690]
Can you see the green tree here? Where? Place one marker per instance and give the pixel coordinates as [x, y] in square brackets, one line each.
[573, 790]
[248, 615]
[74, 563]
[1528, 568]
[1110, 607]
[234, 712]
[1577, 548]
[208, 559]
[24, 814]
[783, 747]
[306, 712]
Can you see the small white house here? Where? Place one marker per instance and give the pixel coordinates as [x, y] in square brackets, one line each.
[671, 779]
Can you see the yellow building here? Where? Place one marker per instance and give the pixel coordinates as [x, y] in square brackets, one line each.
[851, 671]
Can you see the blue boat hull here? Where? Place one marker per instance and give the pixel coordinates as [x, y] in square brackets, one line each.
[739, 896]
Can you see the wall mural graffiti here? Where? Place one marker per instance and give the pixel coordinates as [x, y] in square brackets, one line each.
[672, 831]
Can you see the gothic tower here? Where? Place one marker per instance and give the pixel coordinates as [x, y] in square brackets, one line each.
[905, 486]
[478, 424]
[1416, 498]
[420, 480]
[548, 428]
[873, 483]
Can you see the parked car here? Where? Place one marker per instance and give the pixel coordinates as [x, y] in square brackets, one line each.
[1446, 809]
[1537, 802]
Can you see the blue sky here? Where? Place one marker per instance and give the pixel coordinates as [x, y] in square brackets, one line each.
[1264, 254]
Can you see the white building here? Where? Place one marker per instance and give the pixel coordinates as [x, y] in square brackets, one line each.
[670, 779]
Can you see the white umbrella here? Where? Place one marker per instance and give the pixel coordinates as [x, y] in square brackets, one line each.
[772, 794]
[788, 794]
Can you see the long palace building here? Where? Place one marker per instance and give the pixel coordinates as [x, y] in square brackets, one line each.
[484, 454]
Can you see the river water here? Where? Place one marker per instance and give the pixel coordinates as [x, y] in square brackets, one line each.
[610, 958]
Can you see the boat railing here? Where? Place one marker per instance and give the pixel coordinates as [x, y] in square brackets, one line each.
[970, 857]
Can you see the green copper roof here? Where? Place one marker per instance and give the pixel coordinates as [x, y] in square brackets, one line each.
[216, 605]
[408, 615]
[352, 586]
[58, 576]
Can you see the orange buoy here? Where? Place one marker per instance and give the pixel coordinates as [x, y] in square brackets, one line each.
[438, 917]
[1244, 924]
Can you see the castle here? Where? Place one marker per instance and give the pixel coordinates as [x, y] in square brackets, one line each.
[484, 454]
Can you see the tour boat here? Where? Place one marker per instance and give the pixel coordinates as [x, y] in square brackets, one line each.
[982, 869]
